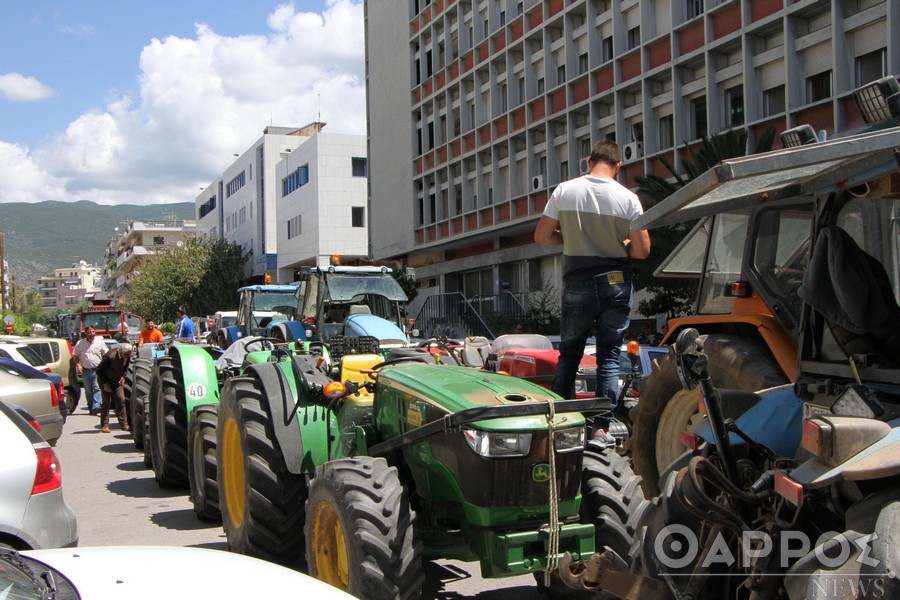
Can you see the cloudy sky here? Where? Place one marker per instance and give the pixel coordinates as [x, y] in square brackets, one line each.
[145, 102]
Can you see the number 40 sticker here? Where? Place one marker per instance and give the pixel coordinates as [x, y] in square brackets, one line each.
[196, 391]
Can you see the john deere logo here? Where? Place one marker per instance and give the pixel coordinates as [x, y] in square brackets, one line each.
[541, 473]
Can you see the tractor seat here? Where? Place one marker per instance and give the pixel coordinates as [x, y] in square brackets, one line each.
[475, 350]
[360, 309]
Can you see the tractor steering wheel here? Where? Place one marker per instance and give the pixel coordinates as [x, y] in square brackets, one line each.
[393, 361]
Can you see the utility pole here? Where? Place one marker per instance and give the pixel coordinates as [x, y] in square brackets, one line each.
[2, 273]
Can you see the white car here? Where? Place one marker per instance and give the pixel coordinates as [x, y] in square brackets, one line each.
[33, 513]
[151, 573]
[14, 350]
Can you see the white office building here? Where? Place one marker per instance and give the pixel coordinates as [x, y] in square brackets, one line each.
[289, 199]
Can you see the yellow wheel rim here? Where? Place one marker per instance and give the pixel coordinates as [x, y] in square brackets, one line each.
[330, 549]
[232, 471]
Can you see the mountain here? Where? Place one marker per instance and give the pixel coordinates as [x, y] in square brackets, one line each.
[43, 236]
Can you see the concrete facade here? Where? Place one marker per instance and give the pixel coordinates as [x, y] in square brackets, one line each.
[247, 204]
[505, 98]
[67, 287]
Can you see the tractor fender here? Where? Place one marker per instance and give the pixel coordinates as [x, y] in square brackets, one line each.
[198, 372]
[291, 330]
[232, 334]
[775, 420]
[281, 399]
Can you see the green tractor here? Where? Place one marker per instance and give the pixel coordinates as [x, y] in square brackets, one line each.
[363, 467]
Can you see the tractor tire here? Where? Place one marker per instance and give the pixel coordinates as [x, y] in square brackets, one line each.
[140, 390]
[360, 530]
[734, 363]
[612, 499]
[202, 465]
[883, 579]
[168, 424]
[261, 502]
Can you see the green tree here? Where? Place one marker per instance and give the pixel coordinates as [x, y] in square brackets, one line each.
[675, 296]
[407, 282]
[202, 275]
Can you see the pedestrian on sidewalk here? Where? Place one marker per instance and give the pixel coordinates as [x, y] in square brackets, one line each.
[111, 376]
[88, 353]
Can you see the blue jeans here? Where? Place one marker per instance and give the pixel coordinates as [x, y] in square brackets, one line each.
[605, 301]
[91, 389]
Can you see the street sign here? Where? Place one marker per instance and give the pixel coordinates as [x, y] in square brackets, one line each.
[9, 319]
[9, 328]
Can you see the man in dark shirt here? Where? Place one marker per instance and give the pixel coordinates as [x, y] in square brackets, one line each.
[111, 377]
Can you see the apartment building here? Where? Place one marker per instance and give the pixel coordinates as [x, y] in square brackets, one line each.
[502, 99]
[245, 204]
[141, 241]
[67, 287]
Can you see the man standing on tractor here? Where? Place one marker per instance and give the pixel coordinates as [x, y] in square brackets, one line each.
[184, 325]
[150, 335]
[590, 218]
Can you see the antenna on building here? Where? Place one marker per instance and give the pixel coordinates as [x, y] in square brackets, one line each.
[319, 108]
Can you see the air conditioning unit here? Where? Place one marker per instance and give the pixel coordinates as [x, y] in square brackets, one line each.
[632, 151]
[537, 183]
[583, 167]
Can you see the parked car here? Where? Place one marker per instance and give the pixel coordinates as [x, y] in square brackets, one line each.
[39, 397]
[30, 372]
[152, 572]
[57, 355]
[33, 512]
[14, 350]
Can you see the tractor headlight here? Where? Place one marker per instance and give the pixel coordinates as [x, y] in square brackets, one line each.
[580, 386]
[569, 440]
[497, 444]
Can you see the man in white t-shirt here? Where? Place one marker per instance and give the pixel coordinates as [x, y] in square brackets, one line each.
[88, 353]
[590, 217]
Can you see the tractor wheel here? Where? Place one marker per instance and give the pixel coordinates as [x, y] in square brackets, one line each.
[262, 503]
[613, 501]
[140, 389]
[168, 424]
[734, 363]
[202, 470]
[360, 530]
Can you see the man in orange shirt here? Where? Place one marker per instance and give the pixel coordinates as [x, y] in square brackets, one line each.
[151, 334]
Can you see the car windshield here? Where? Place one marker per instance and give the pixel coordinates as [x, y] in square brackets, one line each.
[273, 300]
[23, 578]
[108, 321]
[228, 321]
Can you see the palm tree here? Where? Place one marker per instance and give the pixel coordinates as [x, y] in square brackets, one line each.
[675, 296]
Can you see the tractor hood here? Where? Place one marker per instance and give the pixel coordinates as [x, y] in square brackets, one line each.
[450, 389]
[778, 175]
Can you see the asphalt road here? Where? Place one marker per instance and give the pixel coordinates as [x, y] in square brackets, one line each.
[117, 502]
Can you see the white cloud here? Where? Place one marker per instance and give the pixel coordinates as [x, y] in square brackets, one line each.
[19, 88]
[202, 100]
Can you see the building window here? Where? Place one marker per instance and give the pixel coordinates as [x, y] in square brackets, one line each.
[560, 74]
[694, 8]
[698, 114]
[564, 170]
[773, 101]
[235, 184]
[818, 87]
[295, 180]
[634, 37]
[504, 103]
[666, 132]
[293, 228]
[359, 216]
[502, 18]
[360, 166]
[582, 63]
[540, 86]
[521, 89]
[607, 49]
[734, 105]
[520, 7]
[870, 67]
[158, 240]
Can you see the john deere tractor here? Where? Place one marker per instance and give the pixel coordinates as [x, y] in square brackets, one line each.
[362, 467]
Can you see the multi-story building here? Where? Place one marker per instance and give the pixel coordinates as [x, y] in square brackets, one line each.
[309, 203]
[322, 203]
[141, 241]
[68, 287]
[503, 99]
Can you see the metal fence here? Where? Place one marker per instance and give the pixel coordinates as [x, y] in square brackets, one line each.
[451, 315]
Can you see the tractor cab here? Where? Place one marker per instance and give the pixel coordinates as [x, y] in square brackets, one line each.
[353, 302]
